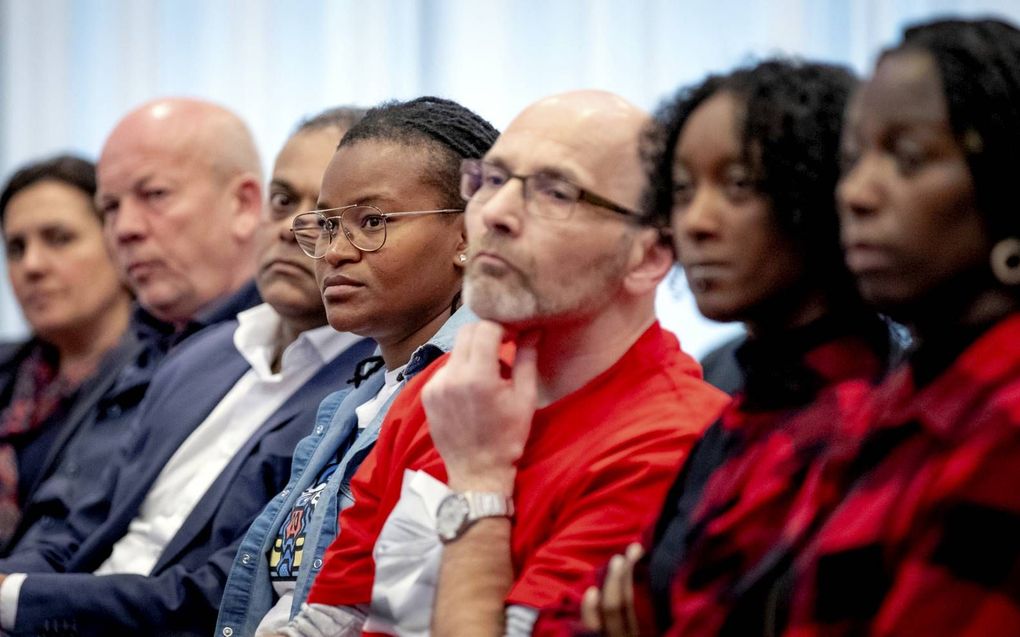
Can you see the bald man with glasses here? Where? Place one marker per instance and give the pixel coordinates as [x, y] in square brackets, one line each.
[542, 444]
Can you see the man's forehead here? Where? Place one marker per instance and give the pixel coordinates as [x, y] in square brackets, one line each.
[138, 160]
[129, 168]
[582, 135]
[531, 151]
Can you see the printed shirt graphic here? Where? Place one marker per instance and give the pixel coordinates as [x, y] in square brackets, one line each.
[285, 556]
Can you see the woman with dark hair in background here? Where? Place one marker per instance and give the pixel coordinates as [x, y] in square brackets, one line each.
[925, 535]
[745, 171]
[74, 303]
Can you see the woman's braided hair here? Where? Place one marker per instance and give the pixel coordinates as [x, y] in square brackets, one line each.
[451, 131]
[979, 65]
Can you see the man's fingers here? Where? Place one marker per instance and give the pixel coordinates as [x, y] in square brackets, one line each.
[461, 352]
[487, 338]
[591, 612]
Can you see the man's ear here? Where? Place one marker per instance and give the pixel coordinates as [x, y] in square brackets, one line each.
[246, 197]
[650, 260]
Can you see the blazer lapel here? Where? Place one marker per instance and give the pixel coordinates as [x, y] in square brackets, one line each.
[301, 405]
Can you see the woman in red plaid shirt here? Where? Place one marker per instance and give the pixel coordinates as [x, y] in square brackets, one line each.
[925, 539]
[745, 174]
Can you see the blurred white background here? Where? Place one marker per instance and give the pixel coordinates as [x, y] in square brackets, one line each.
[70, 68]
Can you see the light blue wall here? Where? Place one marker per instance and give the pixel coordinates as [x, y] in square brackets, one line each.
[70, 68]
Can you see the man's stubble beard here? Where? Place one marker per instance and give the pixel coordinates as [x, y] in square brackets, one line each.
[509, 296]
[504, 297]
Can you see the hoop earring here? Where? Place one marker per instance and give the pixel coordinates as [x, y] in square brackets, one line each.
[1005, 258]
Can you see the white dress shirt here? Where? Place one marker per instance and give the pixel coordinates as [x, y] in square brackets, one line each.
[206, 452]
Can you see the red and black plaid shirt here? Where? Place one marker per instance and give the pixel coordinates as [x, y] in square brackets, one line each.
[728, 508]
[729, 580]
[926, 538]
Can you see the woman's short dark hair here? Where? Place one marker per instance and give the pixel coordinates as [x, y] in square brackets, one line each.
[67, 169]
[792, 118]
[978, 62]
[451, 131]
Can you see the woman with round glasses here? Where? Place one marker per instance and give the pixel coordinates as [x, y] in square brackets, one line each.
[389, 246]
[745, 172]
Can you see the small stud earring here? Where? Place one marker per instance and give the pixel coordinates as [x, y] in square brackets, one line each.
[463, 258]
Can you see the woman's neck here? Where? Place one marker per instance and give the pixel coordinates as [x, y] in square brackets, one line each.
[82, 349]
[396, 351]
[983, 309]
[788, 312]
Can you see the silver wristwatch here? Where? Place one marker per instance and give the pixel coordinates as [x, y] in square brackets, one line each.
[458, 511]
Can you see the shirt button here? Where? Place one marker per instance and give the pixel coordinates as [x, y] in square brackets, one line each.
[319, 429]
[245, 559]
[317, 564]
[227, 631]
[285, 492]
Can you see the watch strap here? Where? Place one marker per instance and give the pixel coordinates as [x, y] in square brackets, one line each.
[482, 504]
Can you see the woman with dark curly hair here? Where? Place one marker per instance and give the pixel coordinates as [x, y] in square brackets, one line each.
[744, 172]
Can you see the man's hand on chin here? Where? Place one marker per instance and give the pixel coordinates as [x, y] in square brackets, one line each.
[479, 418]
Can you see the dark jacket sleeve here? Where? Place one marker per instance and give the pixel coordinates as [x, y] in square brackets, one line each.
[179, 601]
[50, 544]
[183, 597]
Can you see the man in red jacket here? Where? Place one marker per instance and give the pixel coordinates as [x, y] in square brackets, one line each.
[543, 444]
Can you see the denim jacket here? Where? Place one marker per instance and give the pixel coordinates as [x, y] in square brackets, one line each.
[249, 594]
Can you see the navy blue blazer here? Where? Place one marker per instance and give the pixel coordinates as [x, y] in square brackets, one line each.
[95, 428]
[181, 596]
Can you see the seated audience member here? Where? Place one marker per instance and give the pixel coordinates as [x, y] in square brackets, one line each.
[391, 250]
[75, 305]
[179, 189]
[745, 171]
[534, 459]
[926, 530]
[148, 551]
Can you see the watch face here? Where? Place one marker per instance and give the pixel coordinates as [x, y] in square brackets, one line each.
[451, 515]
